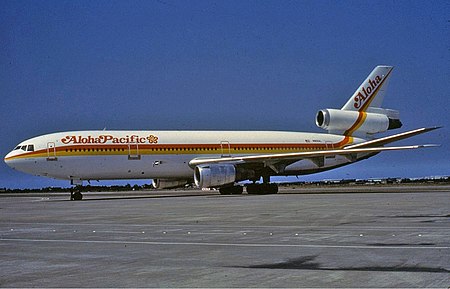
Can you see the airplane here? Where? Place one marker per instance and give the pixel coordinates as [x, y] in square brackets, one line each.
[220, 159]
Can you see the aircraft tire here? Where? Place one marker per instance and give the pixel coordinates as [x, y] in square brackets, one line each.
[77, 196]
[238, 190]
[273, 188]
[235, 190]
[253, 189]
[262, 189]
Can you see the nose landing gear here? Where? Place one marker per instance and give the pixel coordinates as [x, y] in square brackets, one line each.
[75, 191]
[75, 194]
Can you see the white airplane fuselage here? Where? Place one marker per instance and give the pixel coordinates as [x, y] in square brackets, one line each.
[105, 155]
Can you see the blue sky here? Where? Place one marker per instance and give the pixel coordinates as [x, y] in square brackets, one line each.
[225, 65]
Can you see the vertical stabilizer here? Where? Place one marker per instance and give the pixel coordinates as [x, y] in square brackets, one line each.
[371, 92]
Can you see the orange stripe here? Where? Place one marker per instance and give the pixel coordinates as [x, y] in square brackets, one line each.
[358, 123]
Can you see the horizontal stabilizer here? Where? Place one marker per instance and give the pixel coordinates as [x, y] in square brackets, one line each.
[396, 137]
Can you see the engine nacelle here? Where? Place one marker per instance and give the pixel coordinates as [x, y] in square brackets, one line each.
[168, 183]
[336, 120]
[214, 175]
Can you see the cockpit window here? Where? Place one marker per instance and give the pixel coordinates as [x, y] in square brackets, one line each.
[25, 148]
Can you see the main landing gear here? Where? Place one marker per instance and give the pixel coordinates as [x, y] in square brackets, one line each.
[266, 188]
[233, 190]
[262, 189]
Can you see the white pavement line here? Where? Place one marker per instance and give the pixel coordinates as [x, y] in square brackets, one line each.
[221, 244]
[216, 233]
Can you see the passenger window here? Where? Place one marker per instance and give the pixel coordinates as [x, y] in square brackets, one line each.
[30, 148]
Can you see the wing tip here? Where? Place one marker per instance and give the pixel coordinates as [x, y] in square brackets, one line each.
[429, 145]
[433, 127]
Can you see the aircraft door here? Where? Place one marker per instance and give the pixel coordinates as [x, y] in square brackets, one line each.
[225, 149]
[51, 151]
[133, 152]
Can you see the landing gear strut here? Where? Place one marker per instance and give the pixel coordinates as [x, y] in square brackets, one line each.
[75, 191]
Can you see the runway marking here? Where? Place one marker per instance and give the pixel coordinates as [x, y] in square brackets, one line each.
[221, 244]
[119, 232]
[216, 233]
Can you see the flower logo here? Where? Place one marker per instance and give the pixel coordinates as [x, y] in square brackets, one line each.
[152, 139]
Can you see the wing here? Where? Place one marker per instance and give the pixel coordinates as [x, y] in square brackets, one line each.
[278, 161]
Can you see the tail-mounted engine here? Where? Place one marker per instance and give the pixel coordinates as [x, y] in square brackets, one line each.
[375, 120]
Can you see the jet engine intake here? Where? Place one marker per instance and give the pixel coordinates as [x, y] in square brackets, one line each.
[214, 175]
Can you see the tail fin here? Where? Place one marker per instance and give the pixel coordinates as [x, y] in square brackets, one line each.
[371, 92]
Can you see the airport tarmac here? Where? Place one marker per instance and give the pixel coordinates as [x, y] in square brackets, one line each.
[201, 239]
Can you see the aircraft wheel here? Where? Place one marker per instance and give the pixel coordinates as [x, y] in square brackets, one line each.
[235, 190]
[262, 189]
[238, 190]
[253, 189]
[76, 196]
[272, 188]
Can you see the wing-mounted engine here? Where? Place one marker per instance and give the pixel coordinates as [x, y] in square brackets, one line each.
[374, 120]
[210, 176]
[218, 175]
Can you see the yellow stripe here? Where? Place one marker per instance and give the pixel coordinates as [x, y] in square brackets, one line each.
[358, 123]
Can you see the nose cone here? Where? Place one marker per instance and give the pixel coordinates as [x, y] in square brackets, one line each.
[16, 161]
[8, 159]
